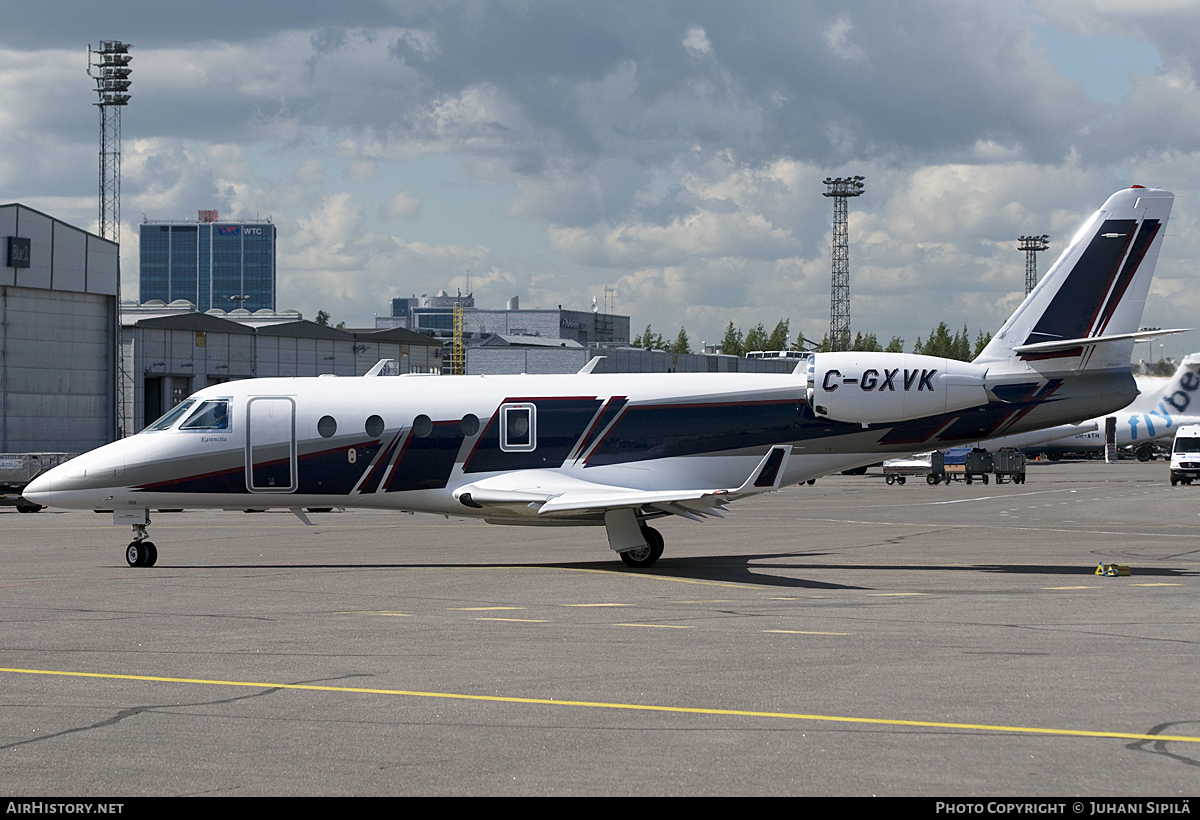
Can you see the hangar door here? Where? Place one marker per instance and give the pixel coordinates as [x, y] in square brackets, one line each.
[271, 445]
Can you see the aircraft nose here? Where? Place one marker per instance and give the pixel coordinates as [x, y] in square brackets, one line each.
[39, 490]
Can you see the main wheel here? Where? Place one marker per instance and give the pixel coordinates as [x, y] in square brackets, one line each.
[890, 480]
[644, 557]
[931, 480]
[1144, 453]
[639, 558]
[900, 479]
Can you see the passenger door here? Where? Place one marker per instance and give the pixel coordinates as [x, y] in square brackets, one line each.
[271, 445]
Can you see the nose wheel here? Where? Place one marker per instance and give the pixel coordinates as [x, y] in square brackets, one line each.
[141, 552]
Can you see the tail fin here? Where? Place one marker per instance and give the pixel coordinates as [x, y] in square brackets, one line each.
[1084, 314]
[1177, 391]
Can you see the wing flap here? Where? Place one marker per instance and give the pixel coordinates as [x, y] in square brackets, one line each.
[551, 492]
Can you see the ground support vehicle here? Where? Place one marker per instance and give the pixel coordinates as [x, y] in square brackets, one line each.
[1185, 455]
[967, 465]
[18, 469]
[1009, 463]
[930, 465]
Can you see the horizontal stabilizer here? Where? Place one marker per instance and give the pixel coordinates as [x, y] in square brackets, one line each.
[1067, 344]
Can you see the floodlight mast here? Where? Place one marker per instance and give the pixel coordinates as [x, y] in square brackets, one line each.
[1032, 245]
[839, 301]
[108, 65]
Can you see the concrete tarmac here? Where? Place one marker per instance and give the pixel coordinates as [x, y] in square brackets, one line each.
[847, 638]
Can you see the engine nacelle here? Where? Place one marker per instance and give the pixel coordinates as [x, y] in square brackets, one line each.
[875, 388]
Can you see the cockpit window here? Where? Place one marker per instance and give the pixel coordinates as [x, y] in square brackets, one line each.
[211, 415]
[172, 416]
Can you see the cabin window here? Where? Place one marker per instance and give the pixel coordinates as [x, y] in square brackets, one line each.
[374, 427]
[470, 425]
[422, 426]
[518, 427]
[211, 415]
[327, 426]
[172, 416]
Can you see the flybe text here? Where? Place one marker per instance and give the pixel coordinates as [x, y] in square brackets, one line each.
[1157, 421]
[886, 380]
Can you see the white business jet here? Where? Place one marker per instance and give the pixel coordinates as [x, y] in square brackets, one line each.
[620, 450]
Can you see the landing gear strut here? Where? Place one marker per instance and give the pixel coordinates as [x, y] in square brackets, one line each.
[141, 552]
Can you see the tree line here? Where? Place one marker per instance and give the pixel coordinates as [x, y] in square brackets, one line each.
[940, 342]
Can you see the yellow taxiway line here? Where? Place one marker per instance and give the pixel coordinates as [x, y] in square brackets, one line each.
[637, 707]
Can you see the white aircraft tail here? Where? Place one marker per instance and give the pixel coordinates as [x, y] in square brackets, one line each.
[1177, 391]
[1084, 314]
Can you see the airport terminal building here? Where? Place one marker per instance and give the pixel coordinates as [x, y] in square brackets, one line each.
[211, 263]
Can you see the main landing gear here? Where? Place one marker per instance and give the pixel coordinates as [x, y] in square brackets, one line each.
[141, 552]
[644, 557]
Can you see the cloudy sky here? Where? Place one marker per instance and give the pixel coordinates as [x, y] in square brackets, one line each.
[671, 151]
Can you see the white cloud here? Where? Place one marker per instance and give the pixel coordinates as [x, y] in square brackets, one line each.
[696, 41]
[402, 204]
[837, 41]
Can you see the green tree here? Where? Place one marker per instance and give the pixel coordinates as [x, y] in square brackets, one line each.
[733, 344]
[682, 345]
[799, 343]
[322, 318]
[945, 346]
[649, 340]
[961, 347]
[980, 343]
[896, 345]
[756, 339]
[866, 342]
[779, 336]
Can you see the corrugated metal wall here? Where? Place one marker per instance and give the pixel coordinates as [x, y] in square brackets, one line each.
[58, 331]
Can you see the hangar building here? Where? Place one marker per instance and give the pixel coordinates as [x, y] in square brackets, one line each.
[58, 335]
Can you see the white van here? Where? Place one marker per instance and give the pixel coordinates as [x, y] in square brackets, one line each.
[1185, 454]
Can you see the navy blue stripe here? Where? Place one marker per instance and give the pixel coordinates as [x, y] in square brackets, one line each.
[767, 477]
[1074, 308]
[560, 423]
[1145, 236]
[664, 431]
[426, 463]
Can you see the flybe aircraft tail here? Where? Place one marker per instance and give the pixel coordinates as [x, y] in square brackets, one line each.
[1084, 314]
[1177, 392]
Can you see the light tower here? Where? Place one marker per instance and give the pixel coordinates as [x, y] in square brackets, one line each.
[108, 65]
[839, 300]
[1031, 245]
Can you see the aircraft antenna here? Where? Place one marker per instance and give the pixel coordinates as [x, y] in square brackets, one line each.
[839, 300]
[1031, 245]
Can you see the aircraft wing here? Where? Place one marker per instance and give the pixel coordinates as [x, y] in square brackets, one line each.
[550, 492]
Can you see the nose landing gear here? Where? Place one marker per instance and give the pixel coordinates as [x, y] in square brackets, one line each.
[141, 552]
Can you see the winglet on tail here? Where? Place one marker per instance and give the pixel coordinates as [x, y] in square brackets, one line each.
[1086, 310]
